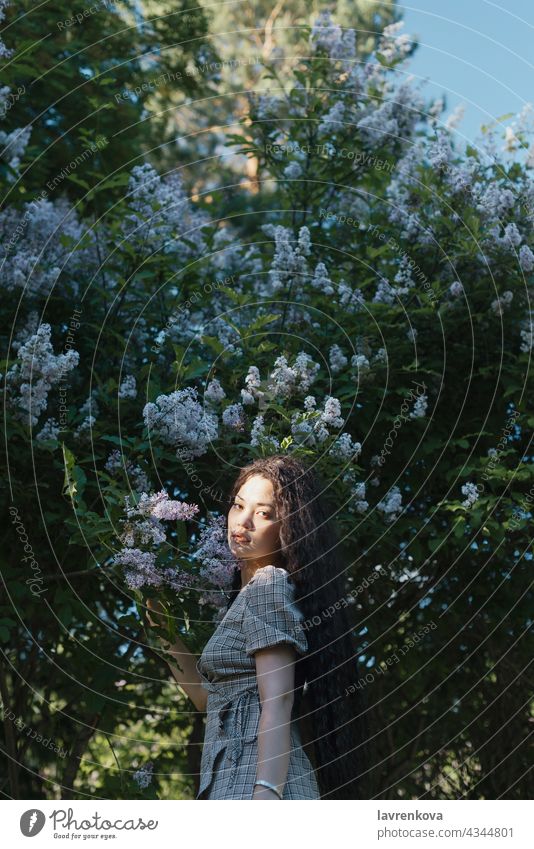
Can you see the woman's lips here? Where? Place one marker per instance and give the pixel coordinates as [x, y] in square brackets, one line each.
[241, 540]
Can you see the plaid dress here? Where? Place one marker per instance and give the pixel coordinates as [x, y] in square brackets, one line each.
[263, 614]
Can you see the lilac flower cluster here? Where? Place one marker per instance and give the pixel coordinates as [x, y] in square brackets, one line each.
[218, 563]
[160, 506]
[356, 502]
[214, 392]
[289, 263]
[161, 216]
[312, 427]
[42, 241]
[471, 492]
[259, 437]
[35, 371]
[420, 407]
[391, 505]
[344, 448]
[128, 387]
[180, 421]
[116, 461]
[143, 776]
[90, 410]
[143, 528]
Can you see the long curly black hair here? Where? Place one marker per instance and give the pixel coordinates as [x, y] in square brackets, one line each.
[331, 711]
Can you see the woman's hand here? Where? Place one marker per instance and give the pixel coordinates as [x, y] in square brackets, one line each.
[157, 608]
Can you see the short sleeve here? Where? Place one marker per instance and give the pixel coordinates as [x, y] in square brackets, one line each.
[271, 616]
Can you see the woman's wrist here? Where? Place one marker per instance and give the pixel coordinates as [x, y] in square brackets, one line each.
[261, 792]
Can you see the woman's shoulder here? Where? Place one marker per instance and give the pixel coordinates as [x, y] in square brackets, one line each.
[269, 573]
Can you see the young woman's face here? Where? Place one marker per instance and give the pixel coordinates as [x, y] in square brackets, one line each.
[253, 516]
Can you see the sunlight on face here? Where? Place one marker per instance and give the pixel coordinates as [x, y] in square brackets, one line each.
[253, 515]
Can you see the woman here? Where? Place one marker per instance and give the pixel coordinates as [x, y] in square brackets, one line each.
[285, 624]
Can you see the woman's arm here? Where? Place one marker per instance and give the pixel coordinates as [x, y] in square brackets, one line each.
[275, 669]
[181, 662]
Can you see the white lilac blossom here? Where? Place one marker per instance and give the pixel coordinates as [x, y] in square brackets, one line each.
[404, 273]
[321, 280]
[344, 448]
[338, 360]
[265, 106]
[160, 506]
[304, 241]
[228, 336]
[227, 253]
[218, 564]
[436, 108]
[356, 502]
[139, 568]
[361, 363]
[527, 340]
[179, 421]
[500, 304]
[309, 403]
[214, 392]
[351, 299]
[331, 414]
[30, 327]
[305, 432]
[284, 380]
[289, 263]
[510, 140]
[42, 241]
[161, 217]
[440, 152]
[511, 239]
[494, 201]
[471, 493]
[380, 125]
[258, 436]
[456, 289]
[526, 258]
[90, 410]
[134, 473]
[293, 171]
[306, 371]
[338, 44]
[251, 393]
[128, 387]
[311, 428]
[395, 119]
[420, 407]
[234, 417]
[391, 505]
[385, 293]
[35, 371]
[461, 177]
[50, 430]
[332, 122]
[144, 533]
[456, 117]
[381, 356]
[13, 146]
[143, 776]
[392, 45]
